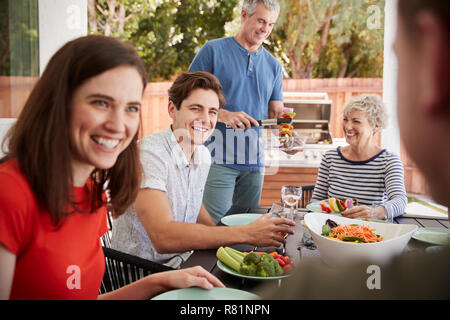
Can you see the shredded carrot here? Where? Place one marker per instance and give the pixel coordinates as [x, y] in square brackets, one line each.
[360, 231]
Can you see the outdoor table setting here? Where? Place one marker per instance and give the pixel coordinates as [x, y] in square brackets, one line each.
[408, 233]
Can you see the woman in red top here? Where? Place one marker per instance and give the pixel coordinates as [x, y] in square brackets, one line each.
[77, 131]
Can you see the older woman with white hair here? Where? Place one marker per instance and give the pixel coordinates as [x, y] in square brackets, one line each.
[362, 169]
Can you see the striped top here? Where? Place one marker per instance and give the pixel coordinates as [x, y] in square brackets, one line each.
[378, 180]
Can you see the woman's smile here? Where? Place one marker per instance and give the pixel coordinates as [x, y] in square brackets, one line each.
[109, 144]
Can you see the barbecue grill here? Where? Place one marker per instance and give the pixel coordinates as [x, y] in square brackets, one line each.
[313, 112]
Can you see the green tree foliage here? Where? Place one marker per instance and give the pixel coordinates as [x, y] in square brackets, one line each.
[166, 33]
[4, 38]
[154, 40]
[19, 47]
[199, 21]
[312, 38]
[330, 38]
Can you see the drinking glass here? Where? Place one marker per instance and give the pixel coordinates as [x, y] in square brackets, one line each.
[290, 195]
[390, 213]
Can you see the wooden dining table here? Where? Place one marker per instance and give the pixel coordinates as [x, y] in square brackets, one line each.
[298, 247]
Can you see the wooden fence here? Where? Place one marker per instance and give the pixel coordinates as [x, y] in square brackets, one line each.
[155, 116]
[15, 90]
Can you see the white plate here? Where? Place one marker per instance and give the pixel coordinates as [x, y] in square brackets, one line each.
[290, 149]
[203, 294]
[240, 219]
[315, 207]
[434, 249]
[418, 210]
[439, 236]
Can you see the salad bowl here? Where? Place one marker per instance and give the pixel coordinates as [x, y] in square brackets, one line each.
[333, 252]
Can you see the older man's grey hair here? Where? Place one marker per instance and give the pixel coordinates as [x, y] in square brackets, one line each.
[250, 5]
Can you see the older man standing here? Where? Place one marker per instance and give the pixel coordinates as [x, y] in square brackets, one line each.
[252, 82]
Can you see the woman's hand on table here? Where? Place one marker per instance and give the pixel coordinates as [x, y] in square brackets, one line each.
[160, 282]
[190, 277]
[365, 212]
[267, 232]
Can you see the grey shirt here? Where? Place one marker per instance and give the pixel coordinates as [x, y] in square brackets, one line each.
[411, 275]
[167, 169]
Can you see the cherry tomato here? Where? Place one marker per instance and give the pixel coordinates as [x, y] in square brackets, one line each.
[280, 262]
[288, 268]
[325, 208]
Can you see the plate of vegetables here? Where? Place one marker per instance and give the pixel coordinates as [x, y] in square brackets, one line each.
[336, 206]
[252, 265]
[332, 205]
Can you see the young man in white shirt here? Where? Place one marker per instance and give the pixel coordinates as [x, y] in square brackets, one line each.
[168, 219]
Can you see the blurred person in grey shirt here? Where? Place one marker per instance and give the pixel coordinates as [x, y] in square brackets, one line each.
[423, 50]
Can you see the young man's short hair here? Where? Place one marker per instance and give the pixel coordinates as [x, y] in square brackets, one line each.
[187, 82]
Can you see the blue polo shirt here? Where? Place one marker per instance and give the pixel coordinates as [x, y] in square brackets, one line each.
[249, 81]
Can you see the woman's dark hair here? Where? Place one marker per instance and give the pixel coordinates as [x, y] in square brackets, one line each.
[41, 140]
[186, 82]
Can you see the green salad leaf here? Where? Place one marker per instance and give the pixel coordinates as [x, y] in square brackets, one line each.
[352, 239]
[326, 230]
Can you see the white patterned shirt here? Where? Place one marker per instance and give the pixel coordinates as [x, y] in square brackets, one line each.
[167, 169]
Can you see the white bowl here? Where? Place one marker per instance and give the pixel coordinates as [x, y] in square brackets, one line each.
[335, 253]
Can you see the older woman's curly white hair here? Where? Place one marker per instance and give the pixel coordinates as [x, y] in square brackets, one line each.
[372, 105]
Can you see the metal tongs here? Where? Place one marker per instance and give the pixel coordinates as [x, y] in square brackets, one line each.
[272, 122]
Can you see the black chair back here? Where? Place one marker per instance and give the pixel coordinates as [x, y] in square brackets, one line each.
[122, 269]
[307, 192]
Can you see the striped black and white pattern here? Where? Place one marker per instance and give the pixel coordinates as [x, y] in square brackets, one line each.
[375, 181]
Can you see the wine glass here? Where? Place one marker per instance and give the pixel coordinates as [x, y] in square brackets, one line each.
[290, 195]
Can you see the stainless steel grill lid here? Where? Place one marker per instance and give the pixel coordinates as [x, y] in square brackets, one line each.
[313, 112]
